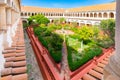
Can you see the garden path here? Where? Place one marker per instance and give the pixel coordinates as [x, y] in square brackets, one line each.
[64, 64]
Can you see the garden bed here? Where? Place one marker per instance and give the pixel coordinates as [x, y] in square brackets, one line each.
[80, 49]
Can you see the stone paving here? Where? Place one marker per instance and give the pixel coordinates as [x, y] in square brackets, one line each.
[64, 64]
[33, 68]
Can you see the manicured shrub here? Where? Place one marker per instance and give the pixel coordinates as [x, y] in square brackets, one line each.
[105, 43]
[52, 41]
[108, 26]
[87, 55]
[82, 46]
[38, 19]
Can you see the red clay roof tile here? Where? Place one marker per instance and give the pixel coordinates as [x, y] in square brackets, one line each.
[98, 69]
[88, 77]
[101, 65]
[20, 77]
[7, 77]
[21, 58]
[9, 55]
[19, 70]
[95, 74]
[9, 59]
[15, 65]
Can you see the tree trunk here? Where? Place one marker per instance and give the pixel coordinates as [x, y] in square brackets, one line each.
[112, 70]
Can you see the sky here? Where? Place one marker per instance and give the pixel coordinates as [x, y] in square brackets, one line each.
[63, 3]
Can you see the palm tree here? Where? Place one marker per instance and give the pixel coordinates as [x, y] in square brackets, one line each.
[112, 70]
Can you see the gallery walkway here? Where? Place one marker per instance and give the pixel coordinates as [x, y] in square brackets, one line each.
[32, 65]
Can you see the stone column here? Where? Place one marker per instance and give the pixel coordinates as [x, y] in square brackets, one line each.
[9, 17]
[112, 70]
[102, 15]
[114, 14]
[108, 15]
[3, 18]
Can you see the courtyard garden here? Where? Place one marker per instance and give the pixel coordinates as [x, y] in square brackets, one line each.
[83, 43]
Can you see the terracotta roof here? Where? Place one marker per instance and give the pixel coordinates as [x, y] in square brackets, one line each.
[40, 9]
[99, 7]
[15, 65]
[97, 72]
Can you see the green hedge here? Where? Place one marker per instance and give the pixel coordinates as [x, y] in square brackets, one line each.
[106, 43]
[52, 41]
[87, 55]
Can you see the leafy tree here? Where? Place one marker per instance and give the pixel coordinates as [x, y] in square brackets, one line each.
[38, 19]
[88, 34]
[30, 20]
[74, 24]
[56, 21]
[62, 20]
[108, 26]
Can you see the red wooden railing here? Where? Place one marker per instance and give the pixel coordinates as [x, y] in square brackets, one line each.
[47, 66]
[50, 69]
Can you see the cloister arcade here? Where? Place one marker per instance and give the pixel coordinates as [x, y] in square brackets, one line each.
[85, 14]
[97, 16]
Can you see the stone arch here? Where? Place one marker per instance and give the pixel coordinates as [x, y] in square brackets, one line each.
[95, 14]
[52, 21]
[78, 14]
[32, 14]
[51, 14]
[100, 15]
[22, 14]
[25, 14]
[89, 23]
[96, 23]
[87, 15]
[35, 13]
[91, 14]
[73, 14]
[24, 21]
[78, 24]
[105, 15]
[111, 15]
[61, 14]
[68, 22]
[84, 15]
[81, 15]
[57, 14]
[29, 14]
[82, 23]
[46, 14]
